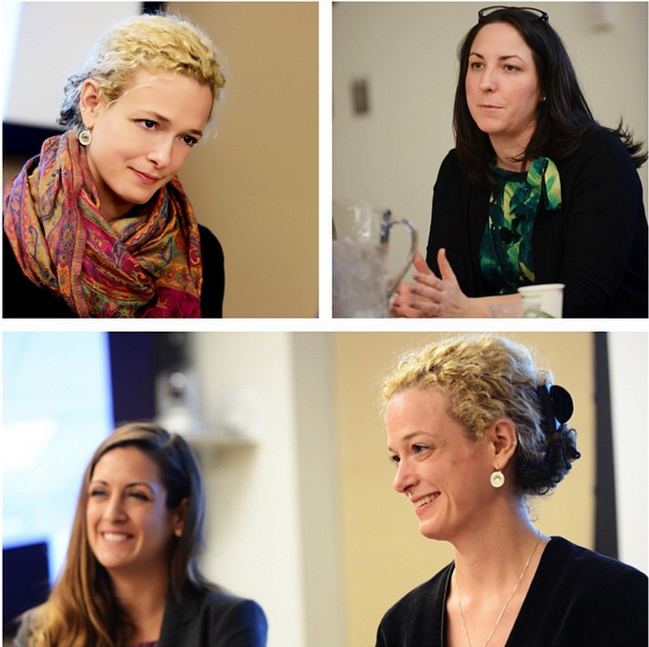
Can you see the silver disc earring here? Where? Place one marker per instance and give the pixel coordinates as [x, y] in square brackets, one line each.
[497, 479]
[85, 137]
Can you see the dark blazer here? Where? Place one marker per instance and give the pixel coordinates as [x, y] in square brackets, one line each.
[212, 619]
[596, 244]
[200, 619]
[23, 299]
[577, 598]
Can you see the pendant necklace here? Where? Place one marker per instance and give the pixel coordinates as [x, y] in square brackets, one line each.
[502, 612]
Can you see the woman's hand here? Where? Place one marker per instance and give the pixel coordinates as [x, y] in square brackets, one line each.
[440, 297]
[430, 296]
[401, 304]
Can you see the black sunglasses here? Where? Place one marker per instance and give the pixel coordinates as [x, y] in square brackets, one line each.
[535, 14]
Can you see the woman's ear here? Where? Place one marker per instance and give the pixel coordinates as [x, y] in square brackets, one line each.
[90, 102]
[502, 437]
[180, 515]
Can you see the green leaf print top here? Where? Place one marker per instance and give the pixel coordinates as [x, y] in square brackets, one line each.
[506, 251]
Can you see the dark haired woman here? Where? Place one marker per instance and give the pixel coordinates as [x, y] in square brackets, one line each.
[473, 429]
[535, 191]
[131, 576]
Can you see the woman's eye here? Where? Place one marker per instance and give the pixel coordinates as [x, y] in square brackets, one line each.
[147, 124]
[394, 459]
[421, 450]
[139, 495]
[190, 141]
[95, 493]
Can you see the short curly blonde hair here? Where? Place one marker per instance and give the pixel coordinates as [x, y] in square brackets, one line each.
[153, 42]
[489, 377]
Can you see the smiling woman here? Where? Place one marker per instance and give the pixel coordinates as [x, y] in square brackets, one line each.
[131, 574]
[475, 428]
[98, 225]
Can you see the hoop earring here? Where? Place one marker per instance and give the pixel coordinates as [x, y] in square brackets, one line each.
[85, 137]
[497, 479]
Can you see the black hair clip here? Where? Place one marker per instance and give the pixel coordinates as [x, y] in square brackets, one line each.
[557, 404]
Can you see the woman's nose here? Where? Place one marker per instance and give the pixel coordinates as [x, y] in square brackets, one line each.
[404, 478]
[160, 155]
[115, 509]
[486, 80]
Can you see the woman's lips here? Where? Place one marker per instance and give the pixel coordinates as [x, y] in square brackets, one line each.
[115, 537]
[423, 503]
[145, 178]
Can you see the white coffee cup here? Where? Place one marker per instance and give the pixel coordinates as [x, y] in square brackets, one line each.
[542, 300]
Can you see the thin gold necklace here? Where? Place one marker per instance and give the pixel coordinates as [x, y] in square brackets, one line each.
[502, 611]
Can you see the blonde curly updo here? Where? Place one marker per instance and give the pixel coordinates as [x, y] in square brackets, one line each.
[151, 42]
[489, 377]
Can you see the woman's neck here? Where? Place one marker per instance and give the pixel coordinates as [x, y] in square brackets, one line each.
[492, 556]
[511, 149]
[143, 597]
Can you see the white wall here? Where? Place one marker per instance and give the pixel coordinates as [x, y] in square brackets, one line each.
[273, 519]
[628, 375]
[407, 53]
[49, 46]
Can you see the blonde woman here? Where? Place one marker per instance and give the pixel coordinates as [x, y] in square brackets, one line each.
[98, 225]
[131, 576]
[474, 428]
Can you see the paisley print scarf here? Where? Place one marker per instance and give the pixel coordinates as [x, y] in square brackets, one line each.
[147, 264]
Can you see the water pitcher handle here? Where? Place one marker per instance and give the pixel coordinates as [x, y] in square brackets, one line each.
[393, 281]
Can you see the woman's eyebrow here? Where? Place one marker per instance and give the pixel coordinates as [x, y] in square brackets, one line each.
[500, 58]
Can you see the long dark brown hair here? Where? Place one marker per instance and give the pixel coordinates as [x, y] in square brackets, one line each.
[563, 119]
[82, 610]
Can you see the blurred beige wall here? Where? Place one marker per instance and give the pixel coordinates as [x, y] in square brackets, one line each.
[384, 556]
[256, 184]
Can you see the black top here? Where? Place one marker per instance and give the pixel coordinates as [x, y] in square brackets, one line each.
[23, 299]
[577, 598]
[596, 244]
[200, 619]
[212, 619]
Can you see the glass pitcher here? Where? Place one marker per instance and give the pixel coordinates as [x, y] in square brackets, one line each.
[362, 286]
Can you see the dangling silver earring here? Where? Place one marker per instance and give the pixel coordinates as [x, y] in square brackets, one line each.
[85, 137]
[497, 479]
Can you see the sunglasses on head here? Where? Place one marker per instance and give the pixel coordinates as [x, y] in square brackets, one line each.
[534, 14]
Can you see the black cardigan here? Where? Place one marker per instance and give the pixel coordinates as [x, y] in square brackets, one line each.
[577, 598]
[596, 244]
[23, 299]
[212, 619]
